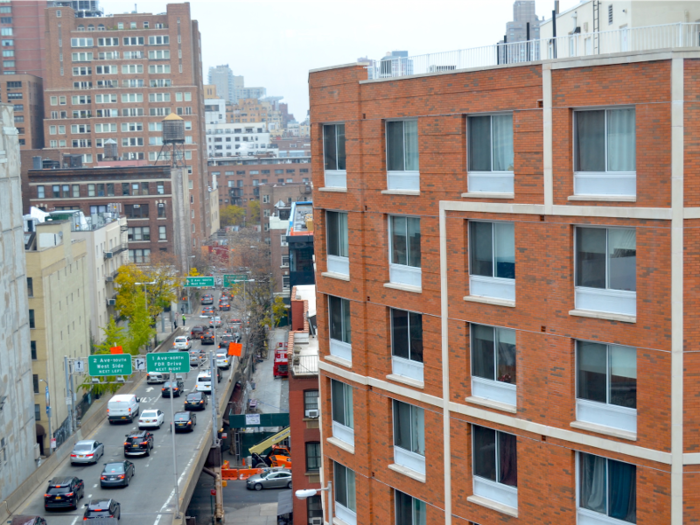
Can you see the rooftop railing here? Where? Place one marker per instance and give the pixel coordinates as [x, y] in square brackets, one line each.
[304, 365]
[632, 39]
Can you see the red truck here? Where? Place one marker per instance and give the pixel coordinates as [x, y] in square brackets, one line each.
[281, 365]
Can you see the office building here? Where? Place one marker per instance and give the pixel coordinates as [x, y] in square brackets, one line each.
[525, 24]
[228, 140]
[222, 78]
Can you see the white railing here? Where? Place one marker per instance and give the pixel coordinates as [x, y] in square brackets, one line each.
[667, 36]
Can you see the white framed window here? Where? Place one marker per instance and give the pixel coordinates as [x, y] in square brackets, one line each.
[605, 156]
[337, 242]
[159, 97]
[81, 57]
[105, 128]
[133, 40]
[188, 95]
[82, 71]
[409, 436]
[132, 68]
[159, 68]
[493, 363]
[132, 126]
[492, 259]
[106, 70]
[407, 344]
[339, 324]
[495, 465]
[107, 42]
[106, 98]
[159, 54]
[404, 250]
[285, 261]
[132, 97]
[162, 233]
[408, 510]
[344, 493]
[342, 412]
[607, 491]
[158, 40]
[130, 142]
[334, 155]
[402, 155]
[490, 153]
[605, 266]
[52, 130]
[80, 129]
[81, 99]
[606, 385]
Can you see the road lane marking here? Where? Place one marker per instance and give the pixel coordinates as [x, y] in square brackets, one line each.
[75, 520]
[94, 486]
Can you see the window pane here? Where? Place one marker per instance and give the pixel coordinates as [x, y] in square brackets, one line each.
[404, 504]
[399, 333]
[349, 409]
[484, 452]
[394, 146]
[418, 512]
[338, 402]
[623, 376]
[592, 483]
[481, 249]
[506, 356]
[343, 250]
[592, 371]
[502, 142]
[479, 153]
[341, 486]
[622, 485]
[340, 137]
[415, 323]
[505, 250]
[410, 128]
[402, 425]
[350, 476]
[336, 318]
[418, 430]
[508, 464]
[329, 148]
[413, 225]
[590, 257]
[622, 250]
[590, 141]
[622, 153]
[482, 351]
[398, 240]
[332, 239]
[345, 307]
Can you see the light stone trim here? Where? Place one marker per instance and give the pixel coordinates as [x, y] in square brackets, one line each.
[484, 195]
[334, 275]
[493, 505]
[407, 472]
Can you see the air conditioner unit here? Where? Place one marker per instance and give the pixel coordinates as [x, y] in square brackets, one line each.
[316, 521]
[311, 414]
[440, 69]
[109, 255]
[111, 302]
[109, 279]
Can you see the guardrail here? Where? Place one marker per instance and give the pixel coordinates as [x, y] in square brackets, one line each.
[304, 365]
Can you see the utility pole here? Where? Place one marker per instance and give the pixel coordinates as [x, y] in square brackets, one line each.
[48, 413]
[70, 397]
[172, 435]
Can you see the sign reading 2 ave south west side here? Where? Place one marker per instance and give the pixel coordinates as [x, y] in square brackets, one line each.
[109, 365]
[176, 362]
[200, 282]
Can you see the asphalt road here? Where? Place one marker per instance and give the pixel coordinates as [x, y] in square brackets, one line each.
[150, 497]
[236, 496]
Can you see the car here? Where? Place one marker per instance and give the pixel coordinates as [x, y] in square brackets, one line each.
[138, 443]
[102, 508]
[177, 387]
[207, 298]
[27, 520]
[223, 360]
[64, 492]
[225, 307]
[225, 339]
[185, 421]
[153, 378]
[207, 311]
[196, 357]
[274, 479]
[234, 322]
[215, 322]
[87, 451]
[196, 332]
[182, 342]
[152, 418]
[117, 474]
[208, 338]
[195, 401]
[203, 383]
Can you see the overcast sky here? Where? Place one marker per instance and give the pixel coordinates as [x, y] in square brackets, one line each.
[274, 43]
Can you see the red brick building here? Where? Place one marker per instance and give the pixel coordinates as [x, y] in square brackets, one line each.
[507, 274]
[23, 41]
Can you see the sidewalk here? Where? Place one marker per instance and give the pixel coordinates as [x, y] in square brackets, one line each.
[272, 394]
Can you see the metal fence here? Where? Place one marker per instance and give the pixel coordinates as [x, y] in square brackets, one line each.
[304, 365]
[667, 36]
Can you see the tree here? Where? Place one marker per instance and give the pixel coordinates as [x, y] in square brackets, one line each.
[127, 289]
[275, 314]
[140, 331]
[254, 211]
[113, 336]
[232, 215]
[160, 294]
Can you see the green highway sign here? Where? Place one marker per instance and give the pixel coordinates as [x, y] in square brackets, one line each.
[230, 280]
[176, 362]
[200, 282]
[109, 365]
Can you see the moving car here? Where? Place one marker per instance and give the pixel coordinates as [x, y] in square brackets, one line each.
[215, 322]
[223, 360]
[123, 407]
[195, 401]
[203, 383]
[154, 378]
[151, 419]
[225, 307]
[196, 332]
[102, 508]
[207, 299]
[208, 338]
[207, 311]
[195, 357]
[138, 443]
[117, 474]
[275, 479]
[87, 451]
[177, 388]
[182, 342]
[185, 421]
[225, 339]
[64, 492]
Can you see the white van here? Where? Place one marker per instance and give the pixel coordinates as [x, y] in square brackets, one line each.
[124, 407]
[204, 382]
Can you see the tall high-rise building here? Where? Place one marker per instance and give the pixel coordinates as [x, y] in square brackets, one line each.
[523, 14]
[222, 78]
[119, 82]
[22, 30]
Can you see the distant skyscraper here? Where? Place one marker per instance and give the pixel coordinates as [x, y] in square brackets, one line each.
[222, 78]
[523, 12]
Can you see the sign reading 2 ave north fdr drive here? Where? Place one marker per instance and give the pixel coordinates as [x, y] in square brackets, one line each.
[176, 362]
[109, 365]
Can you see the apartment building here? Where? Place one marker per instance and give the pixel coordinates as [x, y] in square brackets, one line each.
[118, 82]
[26, 94]
[210, 92]
[506, 273]
[228, 140]
[251, 109]
[22, 27]
[276, 237]
[59, 318]
[222, 79]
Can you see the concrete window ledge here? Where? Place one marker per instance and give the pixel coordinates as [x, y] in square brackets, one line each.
[603, 198]
[400, 192]
[407, 472]
[406, 381]
[484, 195]
[333, 275]
[341, 444]
[488, 300]
[338, 521]
[492, 404]
[331, 189]
[493, 505]
[591, 314]
[338, 361]
[404, 287]
[601, 429]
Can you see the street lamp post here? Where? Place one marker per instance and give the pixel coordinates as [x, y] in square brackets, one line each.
[307, 493]
[48, 412]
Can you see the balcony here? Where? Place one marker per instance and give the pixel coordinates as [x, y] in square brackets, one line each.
[305, 365]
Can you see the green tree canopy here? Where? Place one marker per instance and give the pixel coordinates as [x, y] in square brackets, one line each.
[232, 215]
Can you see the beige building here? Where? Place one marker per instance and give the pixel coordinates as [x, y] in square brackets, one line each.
[209, 92]
[254, 110]
[59, 318]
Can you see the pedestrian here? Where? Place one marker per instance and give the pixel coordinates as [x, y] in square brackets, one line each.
[183, 319]
[175, 323]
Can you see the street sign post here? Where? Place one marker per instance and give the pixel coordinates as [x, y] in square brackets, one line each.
[140, 363]
[230, 280]
[176, 362]
[78, 366]
[109, 365]
[199, 282]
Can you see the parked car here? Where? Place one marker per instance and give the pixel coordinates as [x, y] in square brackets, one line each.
[64, 492]
[195, 401]
[177, 388]
[117, 474]
[102, 508]
[138, 443]
[196, 332]
[151, 419]
[207, 299]
[153, 378]
[182, 342]
[87, 451]
[185, 421]
[275, 479]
